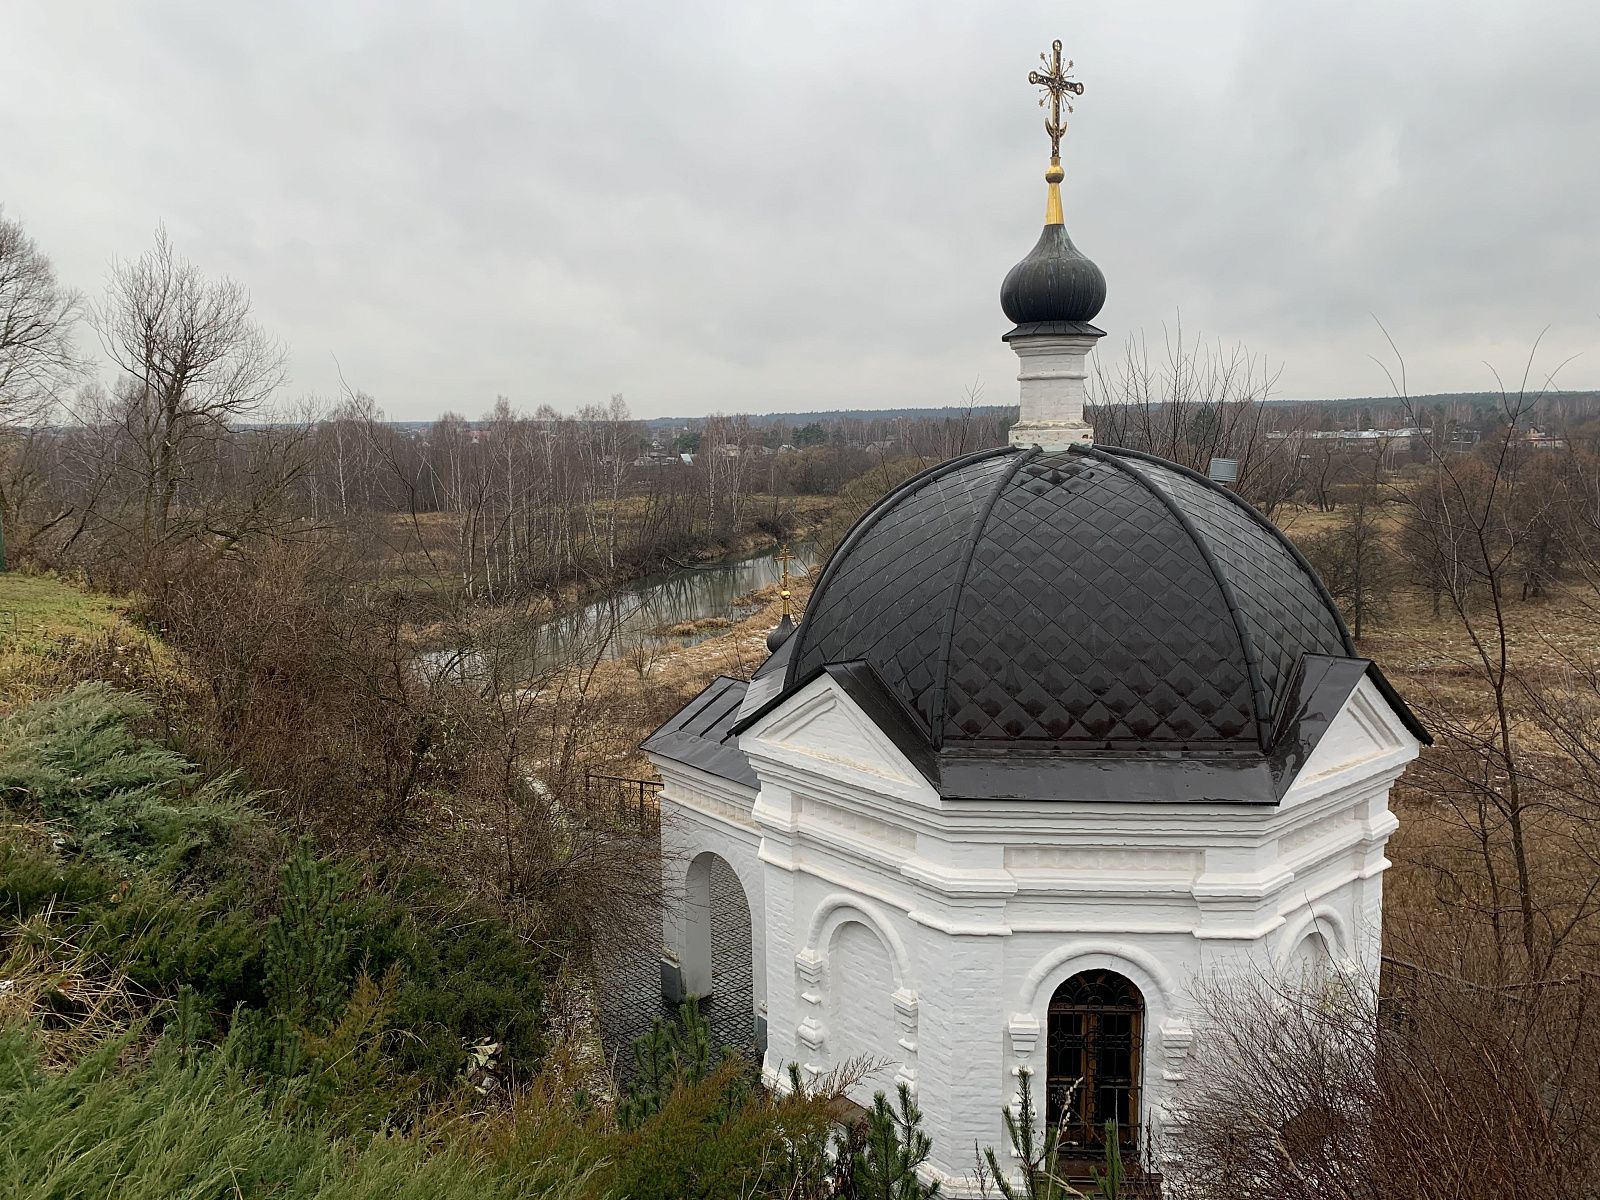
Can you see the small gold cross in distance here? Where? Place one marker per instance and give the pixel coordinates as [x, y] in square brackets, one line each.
[784, 559]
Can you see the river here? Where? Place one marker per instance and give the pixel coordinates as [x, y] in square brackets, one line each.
[634, 618]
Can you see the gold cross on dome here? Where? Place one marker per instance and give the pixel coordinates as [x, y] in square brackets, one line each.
[784, 559]
[1057, 88]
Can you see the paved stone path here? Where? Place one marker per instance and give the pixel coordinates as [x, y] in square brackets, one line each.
[630, 978]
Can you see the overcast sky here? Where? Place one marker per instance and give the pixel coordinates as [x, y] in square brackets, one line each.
[750, 206]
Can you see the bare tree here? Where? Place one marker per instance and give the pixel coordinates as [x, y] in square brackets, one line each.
[37, 316]
[1446, 1090]
[194, 363]
[1199, 402]
[1465, 532]
[37, 360]
[1353, 557]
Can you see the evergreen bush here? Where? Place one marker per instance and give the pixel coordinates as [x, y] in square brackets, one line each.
[673, 1055]
[1038, 1157]
[465, 977]
[287, 968]
[75, 762]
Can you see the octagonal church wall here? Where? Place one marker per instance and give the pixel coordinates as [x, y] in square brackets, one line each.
[931, 935]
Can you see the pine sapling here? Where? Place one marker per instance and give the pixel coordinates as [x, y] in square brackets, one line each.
[1039, 1178]
[1109, 1182]
[895, 1146]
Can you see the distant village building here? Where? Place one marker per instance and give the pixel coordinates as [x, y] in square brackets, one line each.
[1358, 437]
[1064, 731]
[1389, 445]
[658, 458]
[1538, 439]
[734, 450]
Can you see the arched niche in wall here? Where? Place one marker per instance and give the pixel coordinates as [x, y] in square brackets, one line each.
[861, 1020]
[1310, 964]
[1314, 950]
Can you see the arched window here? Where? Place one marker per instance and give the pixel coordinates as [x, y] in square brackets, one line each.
[1093, 1060]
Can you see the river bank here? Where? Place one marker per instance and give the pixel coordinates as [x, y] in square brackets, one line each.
[636, 618]
[419, 556]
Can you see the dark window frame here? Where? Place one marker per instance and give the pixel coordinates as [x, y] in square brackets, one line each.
[1094, 1059]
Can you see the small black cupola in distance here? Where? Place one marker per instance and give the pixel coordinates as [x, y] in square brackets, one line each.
[785, 626]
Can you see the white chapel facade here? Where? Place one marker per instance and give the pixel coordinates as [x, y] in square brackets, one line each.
[1064, 731]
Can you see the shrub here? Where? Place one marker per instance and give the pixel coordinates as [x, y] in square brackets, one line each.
[137, 926]
[712, 1138]
[163, 939]
[201, 1129]
[673, 1055]
[75, 760]
[885, 1165]
[466, 978]
[308, 941]
[275, 961]
[32, 880]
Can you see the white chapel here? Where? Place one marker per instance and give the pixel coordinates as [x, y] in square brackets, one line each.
[1063, 730]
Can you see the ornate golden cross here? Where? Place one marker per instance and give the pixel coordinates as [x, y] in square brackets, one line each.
[1057, 87]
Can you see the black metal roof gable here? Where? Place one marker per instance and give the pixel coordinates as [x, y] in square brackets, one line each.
[701, 735]
[1317, 693]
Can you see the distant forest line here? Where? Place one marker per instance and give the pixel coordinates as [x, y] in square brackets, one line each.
[1485, 401]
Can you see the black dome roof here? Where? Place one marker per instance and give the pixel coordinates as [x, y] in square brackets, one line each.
[1085, 600]
[1054, 283]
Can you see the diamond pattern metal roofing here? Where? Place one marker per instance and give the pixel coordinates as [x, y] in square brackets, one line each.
[1088, 599]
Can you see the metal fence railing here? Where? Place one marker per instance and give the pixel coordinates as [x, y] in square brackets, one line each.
[634, 804]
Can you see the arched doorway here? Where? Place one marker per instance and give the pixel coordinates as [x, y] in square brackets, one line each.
[1093, 1060]
[717, 949]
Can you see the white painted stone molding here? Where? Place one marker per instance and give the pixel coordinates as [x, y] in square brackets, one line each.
[811, 970]
[1177, 1039]
[1024, 1030]
[905, 1017]
[813, 1041]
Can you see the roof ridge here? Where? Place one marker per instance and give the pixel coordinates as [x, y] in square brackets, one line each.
[1260, 519]
[875, 513]
[958, 585]
[1241, 625]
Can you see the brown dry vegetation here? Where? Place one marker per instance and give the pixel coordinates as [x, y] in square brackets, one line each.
[421, 551]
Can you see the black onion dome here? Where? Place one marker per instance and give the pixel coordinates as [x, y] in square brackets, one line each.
[780, 632]
[1056, 282]
[1089, 599]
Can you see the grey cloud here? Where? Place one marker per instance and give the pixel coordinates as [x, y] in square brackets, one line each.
[751, 206]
